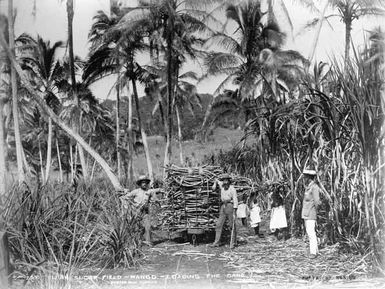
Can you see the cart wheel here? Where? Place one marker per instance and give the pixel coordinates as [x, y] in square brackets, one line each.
[194, 239]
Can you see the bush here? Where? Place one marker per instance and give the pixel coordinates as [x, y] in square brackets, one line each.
[76, 227]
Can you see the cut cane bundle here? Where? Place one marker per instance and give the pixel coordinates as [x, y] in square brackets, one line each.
[190, 201]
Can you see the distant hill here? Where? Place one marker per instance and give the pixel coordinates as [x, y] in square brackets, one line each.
[191, 124]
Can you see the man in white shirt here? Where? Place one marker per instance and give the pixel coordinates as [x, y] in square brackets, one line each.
[141, 198]
[228, 207]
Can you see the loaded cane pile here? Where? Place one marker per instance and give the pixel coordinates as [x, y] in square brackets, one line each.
[190, 201]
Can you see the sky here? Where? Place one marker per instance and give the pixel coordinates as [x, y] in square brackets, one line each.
[50, 22]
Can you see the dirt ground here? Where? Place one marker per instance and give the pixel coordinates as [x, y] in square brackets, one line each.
[254, 263]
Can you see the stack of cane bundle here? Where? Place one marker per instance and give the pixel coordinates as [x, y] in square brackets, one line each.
[190, 201]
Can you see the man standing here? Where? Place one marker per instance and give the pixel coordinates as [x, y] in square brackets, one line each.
[310, 203]
[228, 208]
[141, 198]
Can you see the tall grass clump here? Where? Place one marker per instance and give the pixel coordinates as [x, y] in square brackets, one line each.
[336, 125]
[60, 228]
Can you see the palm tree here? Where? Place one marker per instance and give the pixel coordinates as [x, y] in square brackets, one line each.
[348, 12]
[70, 16]
[114, 54]
[171, 20]
[38, 98]
[253, 57]
[186, 95]
[107, 63]
[45, 72]
[19, 148]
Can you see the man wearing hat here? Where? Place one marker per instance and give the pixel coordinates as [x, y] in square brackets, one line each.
[141, 198]
[228, 207]
[311, 200]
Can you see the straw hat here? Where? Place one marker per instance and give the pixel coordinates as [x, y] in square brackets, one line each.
[142, 178]
[309, 172]
[224, 177]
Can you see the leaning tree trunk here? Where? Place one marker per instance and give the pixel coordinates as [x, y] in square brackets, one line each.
[3, 167]
[38, 98]
[143, 133]
[19, 148]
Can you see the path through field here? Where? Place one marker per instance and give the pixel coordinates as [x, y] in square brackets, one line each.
[255, 263]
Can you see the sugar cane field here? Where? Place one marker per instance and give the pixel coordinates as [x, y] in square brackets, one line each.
[177, 144]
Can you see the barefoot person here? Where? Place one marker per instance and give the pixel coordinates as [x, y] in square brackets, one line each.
[228, 207]
[141, 198]
[278, 221]
[310, 203]
[255, 218]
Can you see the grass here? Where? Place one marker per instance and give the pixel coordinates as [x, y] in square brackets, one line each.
[222, 139]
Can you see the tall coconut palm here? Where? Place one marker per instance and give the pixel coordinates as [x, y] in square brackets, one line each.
[99, 46]
[38, 98]
[19, 148]
[186, 95]
[252, 56]
[116, 54]
[45, 72]
[70, 17]
[171, 19]
[347, 11]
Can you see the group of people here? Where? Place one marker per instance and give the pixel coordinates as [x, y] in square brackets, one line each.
[249, 212]
[230, 209]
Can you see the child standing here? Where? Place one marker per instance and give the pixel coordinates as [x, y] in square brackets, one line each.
[278, 214]
[255, 217]
[242, 211]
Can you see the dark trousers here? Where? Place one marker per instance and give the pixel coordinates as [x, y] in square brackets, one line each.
[226, 211]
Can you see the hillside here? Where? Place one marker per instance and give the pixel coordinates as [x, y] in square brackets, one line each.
[191, 123]
[221, 139]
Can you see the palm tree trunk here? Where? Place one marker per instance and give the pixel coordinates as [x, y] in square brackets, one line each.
[143, 133]
[72, 162]
[70, 16]
[59, 160]
[168, 151]
[19, 148]
[3, 167]
[49, 150]
[130, 172]
[41, 164]
[178, 118]
[39, 99]
[206, 118]
[118, 127]
[348, 31]
[83, 161]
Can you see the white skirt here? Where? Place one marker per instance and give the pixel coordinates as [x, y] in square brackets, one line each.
[241, 212]
[255, 217]
[278, 218]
